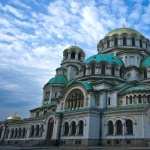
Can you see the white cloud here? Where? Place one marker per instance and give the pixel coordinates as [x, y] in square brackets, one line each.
[32, 39]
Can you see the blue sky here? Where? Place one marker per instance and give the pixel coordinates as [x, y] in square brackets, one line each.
[33, 34]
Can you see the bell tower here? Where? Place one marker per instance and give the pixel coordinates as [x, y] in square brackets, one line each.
[73, 58]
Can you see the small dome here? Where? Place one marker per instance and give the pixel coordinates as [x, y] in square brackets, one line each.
[110, 58]
[58, 80]
[14, 117]
[73, 48]
[146, 62]
[120, 31]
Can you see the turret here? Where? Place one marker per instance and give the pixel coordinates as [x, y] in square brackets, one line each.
[73, 58]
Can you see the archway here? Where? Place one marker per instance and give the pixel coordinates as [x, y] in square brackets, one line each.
[119, 127]
[50, 128]
[110, 127]
[73, 128]
[129, 127]
[66, 129]
[81, 127]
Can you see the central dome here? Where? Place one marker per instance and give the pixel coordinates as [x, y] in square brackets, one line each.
[120, 31]
[109, 58]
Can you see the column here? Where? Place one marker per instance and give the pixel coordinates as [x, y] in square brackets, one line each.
[124, 128]
[76, 56]
[69, 55]
[114, 129]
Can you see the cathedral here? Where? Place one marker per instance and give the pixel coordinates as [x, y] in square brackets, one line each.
[100, 100]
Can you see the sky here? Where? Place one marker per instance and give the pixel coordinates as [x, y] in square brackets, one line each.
[33, 34]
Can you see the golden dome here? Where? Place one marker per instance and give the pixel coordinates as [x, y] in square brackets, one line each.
[120, 31]
[14, 117]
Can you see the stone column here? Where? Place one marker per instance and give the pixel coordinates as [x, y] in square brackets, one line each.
[28, 132]
[115, 131]
[69, 55]
[76, 56]
[124, 128]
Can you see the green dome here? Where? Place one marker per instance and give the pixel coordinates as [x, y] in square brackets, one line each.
[146, 62]
[110, 58]
[58, 80]
[120, 31]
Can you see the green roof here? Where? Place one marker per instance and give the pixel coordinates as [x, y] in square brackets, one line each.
[110, 58]
[58, 80]
[122, 31]
[146, 62]
[86, 84]
[134, 87]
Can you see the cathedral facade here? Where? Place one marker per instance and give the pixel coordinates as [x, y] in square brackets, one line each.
[101, 100]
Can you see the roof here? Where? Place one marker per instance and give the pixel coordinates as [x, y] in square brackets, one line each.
[124, 30]
[73, 48]
[146, 62]
[86, 84]
[58, 80]
[133, 87]
[110, 58]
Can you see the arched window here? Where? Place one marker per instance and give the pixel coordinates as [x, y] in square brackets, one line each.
[103, 68]
[37, 130]
[140, 99]
[145, 73]
[32, 131]
[81, 127]
[73, 55]
[127, 99]
[133, 41]
[146, 44]
[129, 127]
[66, 129]
[65, 55]
[108, 101]
[141, 44]
[110, 128]
[130, 100]
[119, 127]
[92, 68]
[79, 56]
[115, 41]
[75, 99]
[73, 128]
[124, 41]
[113, 70]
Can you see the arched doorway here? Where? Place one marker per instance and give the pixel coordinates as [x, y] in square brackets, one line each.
[129, 127]
[50, 128]
[119, 127]
[110, 128]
